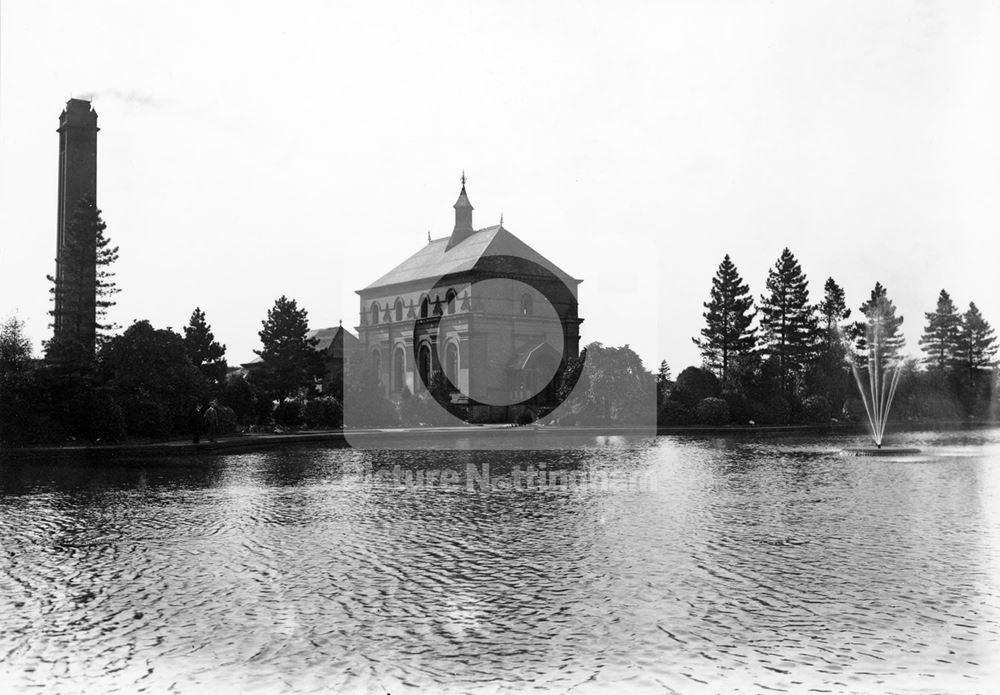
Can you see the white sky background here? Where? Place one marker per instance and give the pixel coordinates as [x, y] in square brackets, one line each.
[249, 150]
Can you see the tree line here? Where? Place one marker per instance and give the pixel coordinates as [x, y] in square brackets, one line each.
[782, 359]
[150, 383]
[147, 382]
[778, 359]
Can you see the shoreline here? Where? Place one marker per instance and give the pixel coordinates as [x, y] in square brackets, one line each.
[249, 443]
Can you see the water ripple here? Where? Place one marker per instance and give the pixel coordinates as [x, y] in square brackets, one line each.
[749, 565]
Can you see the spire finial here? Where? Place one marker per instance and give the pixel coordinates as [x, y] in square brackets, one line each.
[463, 178]
[501, 219]
[428, 235]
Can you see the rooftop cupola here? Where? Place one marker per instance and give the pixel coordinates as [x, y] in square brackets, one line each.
[463, 218]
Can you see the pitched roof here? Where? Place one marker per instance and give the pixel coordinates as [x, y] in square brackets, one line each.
[436, 260]
[325, 336]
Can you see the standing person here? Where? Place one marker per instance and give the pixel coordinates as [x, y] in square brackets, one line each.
[195, 421]
[211, 421]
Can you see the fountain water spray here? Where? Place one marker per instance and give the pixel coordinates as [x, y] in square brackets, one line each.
[884, 370]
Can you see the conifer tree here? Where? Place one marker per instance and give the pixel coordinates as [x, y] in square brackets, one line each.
[662, 381]
[833, 311]
[881, 325]
[977, 343]
[830, 376]
[15, 347]
[290, 358]
[206, 354]
[941, 335]
[663, 373]
[787, 320]
[727, 335]
[83, 270]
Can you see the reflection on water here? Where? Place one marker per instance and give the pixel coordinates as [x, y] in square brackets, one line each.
[749, 563]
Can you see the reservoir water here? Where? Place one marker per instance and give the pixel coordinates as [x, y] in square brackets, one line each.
[660, 565]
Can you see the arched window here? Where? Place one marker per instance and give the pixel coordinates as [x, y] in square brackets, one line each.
[399, 309]
[449, 300]
[399, 369]
[527, 305]
[374, 313]
[424, 365]
[425, 307]
[451, 363]
[376, 364]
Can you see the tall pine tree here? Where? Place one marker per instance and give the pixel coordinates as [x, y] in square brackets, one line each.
[727, 335]
[663, 373]
[291, 361]
[833, 311]
[830, 376]
[976, 347]
[880, 327]
[787, 320]
[206, 354]
[941, 335]
[663, 382]
[83, 287]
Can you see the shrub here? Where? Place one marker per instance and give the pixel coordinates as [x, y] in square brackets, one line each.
[781, 409]
[854, 410]
[673, 413]
[262, 413]
[227, 419]
[105, 418]
[816, 409]
[939, 407]
[694, 385]
[25, 415]
[239, 394]
[147, 419]
[739, 407]
[334, 413]
[370, 408]
[288, 412]
[776, 410]
[324, 411]
[713, 411]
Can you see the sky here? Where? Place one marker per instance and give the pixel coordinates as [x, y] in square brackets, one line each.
[252, 150]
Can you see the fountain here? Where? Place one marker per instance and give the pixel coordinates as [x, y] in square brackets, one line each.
[883, 370]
